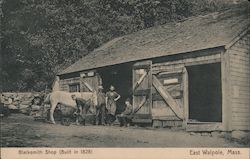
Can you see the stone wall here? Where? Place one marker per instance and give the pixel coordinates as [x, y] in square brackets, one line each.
[22, 102]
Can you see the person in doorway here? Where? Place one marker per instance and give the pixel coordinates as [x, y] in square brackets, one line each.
[82, 109]
[111, 97]
[100, 108]
[125, 117]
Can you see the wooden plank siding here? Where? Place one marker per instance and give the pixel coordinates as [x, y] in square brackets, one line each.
[239, 59]
[225, 85]
[64, 83]
[168, 98]
[88, 82]
[142, 96]
[199, 59]
[162, 114]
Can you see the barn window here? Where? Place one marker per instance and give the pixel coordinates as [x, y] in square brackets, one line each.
[74, 87]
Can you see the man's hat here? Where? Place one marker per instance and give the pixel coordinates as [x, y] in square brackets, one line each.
[127, 100]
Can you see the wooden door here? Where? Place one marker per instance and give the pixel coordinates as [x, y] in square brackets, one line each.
[168, 96]
[89, 81]
[142, 98]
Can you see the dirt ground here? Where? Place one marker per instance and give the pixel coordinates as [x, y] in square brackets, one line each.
[19, 130]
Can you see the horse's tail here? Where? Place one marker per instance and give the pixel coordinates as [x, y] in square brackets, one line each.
[47, 99]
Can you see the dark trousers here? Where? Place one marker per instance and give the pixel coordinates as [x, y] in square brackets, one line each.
[100, 114]
[110, 119]
[83, 113]
[124, 119]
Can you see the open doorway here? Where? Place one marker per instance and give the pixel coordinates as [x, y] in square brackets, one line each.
[119, 76]
[205, 97]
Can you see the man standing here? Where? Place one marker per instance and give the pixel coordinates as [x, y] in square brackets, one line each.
[83, 107]
[100, 108]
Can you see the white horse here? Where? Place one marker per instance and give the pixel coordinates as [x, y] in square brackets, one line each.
[65, 98]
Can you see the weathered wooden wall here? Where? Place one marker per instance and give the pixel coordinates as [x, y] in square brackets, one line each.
[90, 83]
[175, 70]
[86, 82]
[64, 83]
[239, 66]
[161, 111]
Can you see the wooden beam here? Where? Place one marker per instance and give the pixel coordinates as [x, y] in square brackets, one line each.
[144, 120]
[174, 87]
[215, 56]
[204, 62]
[185, 96]
[204, 127]
[150, 101]
[143, 65]
[174, 94]
[140, 80]
[167, 98]
[226, 94]
[142, 116]
[140, 106]
[142, 92]
[157, 97]
[88, 86]
[237, 38]
[169, 73]
[174, 80]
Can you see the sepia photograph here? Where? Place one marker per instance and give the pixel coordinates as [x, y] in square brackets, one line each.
[124, 74]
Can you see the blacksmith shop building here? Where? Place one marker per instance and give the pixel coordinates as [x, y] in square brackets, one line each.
[192, 73]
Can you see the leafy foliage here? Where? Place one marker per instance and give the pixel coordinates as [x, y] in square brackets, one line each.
[41, 37]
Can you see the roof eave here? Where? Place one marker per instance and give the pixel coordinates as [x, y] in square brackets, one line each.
[237, 38]
[91, 68]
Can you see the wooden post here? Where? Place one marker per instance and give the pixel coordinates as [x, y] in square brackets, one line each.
[88, 86]
[185, 96]
[150, 80]
[140, 80]
[141, 104]
[226, 104]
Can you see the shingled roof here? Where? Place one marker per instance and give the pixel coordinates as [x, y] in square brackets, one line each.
[195, 33]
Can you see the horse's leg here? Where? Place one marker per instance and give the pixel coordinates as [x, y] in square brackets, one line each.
[97, 115]
[52, 109]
